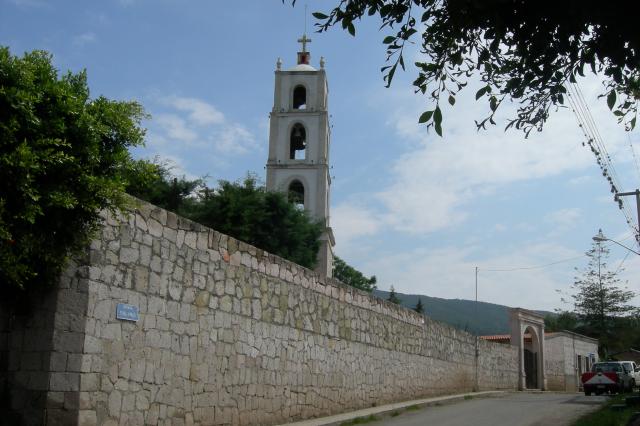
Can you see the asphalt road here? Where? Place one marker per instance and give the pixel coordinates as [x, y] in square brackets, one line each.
[515, 409]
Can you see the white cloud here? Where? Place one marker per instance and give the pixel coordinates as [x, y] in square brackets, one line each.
[175, 128]
[234, 139]
[200, 112]
[84, 39]
[564, 218]
[435, 183]
[435, 180]
[195, 135]
[351, 221]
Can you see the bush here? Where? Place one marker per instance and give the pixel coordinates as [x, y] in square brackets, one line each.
[62, 160]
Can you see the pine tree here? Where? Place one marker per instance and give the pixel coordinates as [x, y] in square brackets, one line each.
[392, 296]
[419, 308]
[598, 299]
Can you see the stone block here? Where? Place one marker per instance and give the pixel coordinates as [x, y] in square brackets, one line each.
[55, 399]
[71, 401]
[175, 290]
[87, 418]
[170, 234]
[84, 400]
[185, 312]
[111, 331]
[226, 304]
[141, 278]
[202, 299]
[79, 362]
[64, 382]
[115, 403]
[89, 382]
[155, 227]
[128, 402]
[128, 255]
[142, 402]
[92, 345]
[190, 239]
[137, 370]
[156, 264]
[199, 281]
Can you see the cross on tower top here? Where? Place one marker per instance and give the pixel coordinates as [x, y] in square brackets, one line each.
[304, 40]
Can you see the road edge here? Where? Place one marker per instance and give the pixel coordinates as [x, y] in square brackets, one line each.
[383, 410]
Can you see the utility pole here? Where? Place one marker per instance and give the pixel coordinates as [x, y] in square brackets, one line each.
[475, 388]
[637, 194]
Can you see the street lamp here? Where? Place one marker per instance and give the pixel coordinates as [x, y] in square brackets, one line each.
[601, 238]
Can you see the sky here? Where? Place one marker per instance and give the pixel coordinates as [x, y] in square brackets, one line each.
[418, 211]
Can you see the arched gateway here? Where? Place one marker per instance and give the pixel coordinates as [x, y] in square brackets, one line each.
[527, 334]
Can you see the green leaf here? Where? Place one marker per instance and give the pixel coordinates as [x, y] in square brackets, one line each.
[388, 39]
[611, 99]
[319, 15]
[351, 29]
[452, 100]
[389, 76]
[426, 116]
[493, 103]
[437, 116]
[438, 128]
[481, 92]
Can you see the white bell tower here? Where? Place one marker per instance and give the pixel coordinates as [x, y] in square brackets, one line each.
[299, 138]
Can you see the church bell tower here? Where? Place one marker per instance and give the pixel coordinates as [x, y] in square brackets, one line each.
[299, 138]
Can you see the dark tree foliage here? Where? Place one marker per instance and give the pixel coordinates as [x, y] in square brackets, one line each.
[564, 320]
[152, 181]
[243, 210]
[419, 308]
[393, 298]
[598, 299]
[351, 276]
[63, 157]
[267, 220]
[522, 51]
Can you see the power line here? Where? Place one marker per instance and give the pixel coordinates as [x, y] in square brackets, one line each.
[635, 158]
[596, 143]
[532, 267]
[622, 262]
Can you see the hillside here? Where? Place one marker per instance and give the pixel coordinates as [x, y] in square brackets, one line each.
[485, 318]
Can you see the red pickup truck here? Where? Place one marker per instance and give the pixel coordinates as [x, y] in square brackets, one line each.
[604, 377]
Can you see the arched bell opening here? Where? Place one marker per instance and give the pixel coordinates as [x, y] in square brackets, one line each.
[296, 194]
[298, 142]
[300, 97]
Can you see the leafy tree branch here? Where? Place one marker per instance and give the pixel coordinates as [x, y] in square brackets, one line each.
[526, 52]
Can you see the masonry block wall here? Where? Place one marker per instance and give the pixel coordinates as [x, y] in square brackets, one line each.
[227, 334]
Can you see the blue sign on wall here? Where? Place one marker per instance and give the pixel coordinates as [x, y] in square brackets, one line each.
[127, 312]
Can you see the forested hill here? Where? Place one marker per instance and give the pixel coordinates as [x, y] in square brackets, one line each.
[484, 319]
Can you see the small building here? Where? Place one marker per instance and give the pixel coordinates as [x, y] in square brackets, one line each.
[568, 356]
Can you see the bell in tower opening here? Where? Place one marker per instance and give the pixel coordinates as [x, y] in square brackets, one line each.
[298, 142]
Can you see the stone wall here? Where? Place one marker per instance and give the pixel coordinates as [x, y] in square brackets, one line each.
[41, 354]
[230, 334]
